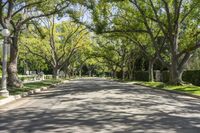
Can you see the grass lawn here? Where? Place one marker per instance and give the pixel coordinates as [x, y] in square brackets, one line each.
[32, 86]
[1, 97]
[190, 89]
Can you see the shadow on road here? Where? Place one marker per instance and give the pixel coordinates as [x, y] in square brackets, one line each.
[96, 105]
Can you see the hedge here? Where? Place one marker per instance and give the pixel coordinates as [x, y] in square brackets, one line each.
[165, 76]
[141, 75]
[190, 76]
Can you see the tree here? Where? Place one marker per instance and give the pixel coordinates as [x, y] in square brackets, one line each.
[57, 44]
[194, 64]
[30, 62]
[15, 15]
[118, 60]
[83, 57]
[173, 20]
[126, 21]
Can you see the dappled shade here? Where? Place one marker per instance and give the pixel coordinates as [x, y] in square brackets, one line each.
[96, 105]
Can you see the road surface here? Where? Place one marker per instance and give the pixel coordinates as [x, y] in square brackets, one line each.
[101, 106]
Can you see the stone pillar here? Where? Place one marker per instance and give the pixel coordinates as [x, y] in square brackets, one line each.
[157, 75]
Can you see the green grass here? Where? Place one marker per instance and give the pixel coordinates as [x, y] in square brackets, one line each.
[32, 86]
[1, 97]
[190, 89]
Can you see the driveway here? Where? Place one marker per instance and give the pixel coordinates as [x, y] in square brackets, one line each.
[94, 105]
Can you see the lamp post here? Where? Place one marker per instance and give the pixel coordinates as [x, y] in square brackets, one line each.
[4, 92]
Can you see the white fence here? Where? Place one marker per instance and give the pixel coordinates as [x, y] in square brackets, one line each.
[36, 77]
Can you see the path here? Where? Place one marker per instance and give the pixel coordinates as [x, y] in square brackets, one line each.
[101, 106]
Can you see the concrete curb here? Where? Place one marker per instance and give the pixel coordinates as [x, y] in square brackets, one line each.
[30, 92]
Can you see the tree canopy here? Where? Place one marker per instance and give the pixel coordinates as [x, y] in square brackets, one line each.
[111, 36]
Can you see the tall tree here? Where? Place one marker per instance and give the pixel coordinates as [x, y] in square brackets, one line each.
[175, 18]
[175, 21]
[123, 20]
[15, 14]
[57, 43]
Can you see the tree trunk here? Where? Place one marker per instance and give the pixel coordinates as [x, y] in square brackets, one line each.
[132, 70]
[113, 74]
[80, 70]
[90, 73]
[73, 73]
[177, 69]
[175, 76]
[55, 73]
[151, 74]
[66, 72]
[130, 74]
[131, 67]
[13, 80]
[123, 74]
[80, 73]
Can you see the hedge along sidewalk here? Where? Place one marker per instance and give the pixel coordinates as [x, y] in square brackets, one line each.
[189, 90]
[30, 89]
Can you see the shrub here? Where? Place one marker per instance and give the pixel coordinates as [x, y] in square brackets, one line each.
[23, 78]
[192, 76]
[165, 76]
[141, 76]
[48, 76]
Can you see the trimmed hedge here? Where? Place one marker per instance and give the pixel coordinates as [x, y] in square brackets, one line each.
[165, 76]
[141, 75]
[48, 76]
[144, 75]
[192, 76]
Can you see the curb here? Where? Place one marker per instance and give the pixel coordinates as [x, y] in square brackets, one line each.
[170, 91]
[30, 92]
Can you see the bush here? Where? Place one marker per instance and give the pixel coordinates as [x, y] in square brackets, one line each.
[192, 76]
[165, 76]
[48, 76]
[141, 76]
[23, 78]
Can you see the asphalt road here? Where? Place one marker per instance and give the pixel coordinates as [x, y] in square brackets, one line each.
[101, 106]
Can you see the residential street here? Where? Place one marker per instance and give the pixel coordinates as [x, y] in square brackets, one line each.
[94, 105]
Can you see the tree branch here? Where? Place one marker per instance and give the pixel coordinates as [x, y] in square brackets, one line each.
[26, 6]
[189, 49]
[39, 55]
[42, 15]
